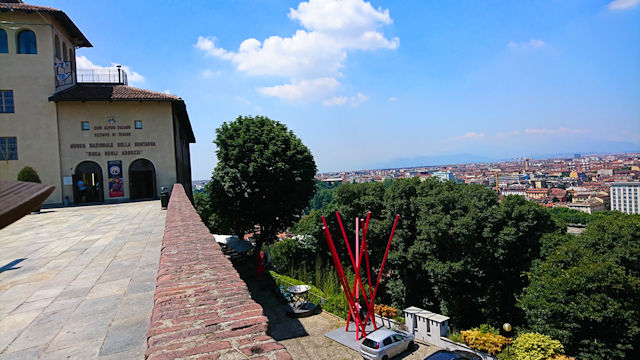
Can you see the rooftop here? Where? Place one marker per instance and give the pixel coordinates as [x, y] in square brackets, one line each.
[119, 92]
[77, 37]
[110, 92]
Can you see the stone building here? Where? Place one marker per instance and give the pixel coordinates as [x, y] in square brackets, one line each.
[88, 133]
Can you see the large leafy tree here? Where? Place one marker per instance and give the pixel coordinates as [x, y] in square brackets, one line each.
[457, 249]
[586, 292]
[263, 180]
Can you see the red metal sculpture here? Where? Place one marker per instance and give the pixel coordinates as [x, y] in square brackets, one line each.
[352, 294]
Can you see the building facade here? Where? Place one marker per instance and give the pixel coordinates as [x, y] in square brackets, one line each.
[89, 134]
[624, 197]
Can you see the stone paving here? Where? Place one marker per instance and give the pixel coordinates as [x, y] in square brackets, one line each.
[78, 282]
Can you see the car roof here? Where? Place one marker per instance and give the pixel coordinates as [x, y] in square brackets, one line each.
[445, 355]
[381, 334]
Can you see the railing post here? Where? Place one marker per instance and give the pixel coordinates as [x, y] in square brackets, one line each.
[119, 80]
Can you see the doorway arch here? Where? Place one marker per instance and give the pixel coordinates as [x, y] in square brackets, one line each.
[142, 180]
[90, 173]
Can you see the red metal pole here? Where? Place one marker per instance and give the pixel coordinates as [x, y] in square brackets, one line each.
[341, 275]
[384, 260]
[364, 237]
[370, 307]
[344, 235]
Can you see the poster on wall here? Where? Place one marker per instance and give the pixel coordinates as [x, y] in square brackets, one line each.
[116, 182]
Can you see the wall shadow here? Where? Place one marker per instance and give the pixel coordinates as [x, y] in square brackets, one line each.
[280, 326]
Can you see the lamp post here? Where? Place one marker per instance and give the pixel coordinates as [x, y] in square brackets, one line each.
[507, 328]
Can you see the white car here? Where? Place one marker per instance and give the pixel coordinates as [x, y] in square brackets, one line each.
[384, 344]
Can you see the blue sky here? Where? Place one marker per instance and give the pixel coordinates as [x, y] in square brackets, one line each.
[367, 84]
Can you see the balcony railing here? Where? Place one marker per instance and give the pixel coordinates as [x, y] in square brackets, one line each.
[108, 76]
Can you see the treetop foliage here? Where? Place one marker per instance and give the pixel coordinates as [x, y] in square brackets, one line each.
[586, 291]
[264, 177]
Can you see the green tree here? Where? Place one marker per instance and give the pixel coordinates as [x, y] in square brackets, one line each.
[457, 250]
[321, 198]
[202, 204]
[586, 292]
[264, 178]
[29, 174]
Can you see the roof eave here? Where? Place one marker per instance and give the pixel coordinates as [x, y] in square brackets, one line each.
[181, 109]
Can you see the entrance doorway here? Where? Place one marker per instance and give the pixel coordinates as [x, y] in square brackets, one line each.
[87, 183]
[142, 180]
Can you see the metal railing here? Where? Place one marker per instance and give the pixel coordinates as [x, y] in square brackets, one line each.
[108, 76]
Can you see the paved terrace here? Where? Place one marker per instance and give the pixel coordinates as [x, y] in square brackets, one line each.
[113, 282]
[78, 283]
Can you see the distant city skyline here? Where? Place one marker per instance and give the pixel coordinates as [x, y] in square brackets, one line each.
[365, 84]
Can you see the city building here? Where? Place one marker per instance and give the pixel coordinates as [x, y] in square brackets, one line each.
[444, 175]
[589, 206]
[536, 194]
[88, 133]
[624, 197]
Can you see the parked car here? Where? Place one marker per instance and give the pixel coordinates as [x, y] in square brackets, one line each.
[384, 344]
[452, 355]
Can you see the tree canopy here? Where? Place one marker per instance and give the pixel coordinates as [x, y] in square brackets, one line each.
[264, 178]
[586, 291]
[457, 249]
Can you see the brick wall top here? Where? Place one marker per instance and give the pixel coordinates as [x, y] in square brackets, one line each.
[202, 308]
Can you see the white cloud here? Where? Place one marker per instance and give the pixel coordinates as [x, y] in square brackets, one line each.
[303, 90]
[314, 54]
[82, 63]
[352, 23]
[343, 100]
[531, 44]
[621, 5]
[468, 136]
[206, 73]
[358, 99]
[393, 98]
[336, 101]
[168, 92]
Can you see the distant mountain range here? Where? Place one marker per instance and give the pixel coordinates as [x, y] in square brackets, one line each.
[604, 147]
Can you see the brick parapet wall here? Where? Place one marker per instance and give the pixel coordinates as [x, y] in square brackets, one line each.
[202, 308]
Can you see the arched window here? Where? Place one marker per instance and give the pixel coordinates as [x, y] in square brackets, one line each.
[27, 42]
[4, 45]
[65, 53]
[56, 51]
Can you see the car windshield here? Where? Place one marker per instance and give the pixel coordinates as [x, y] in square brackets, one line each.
[370, 343]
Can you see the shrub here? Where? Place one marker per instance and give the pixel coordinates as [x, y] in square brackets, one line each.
[28, 174]
[385, 310]
[561, 357]
[485, 341]
[535, 346]
[455, 336]
[486, 328]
